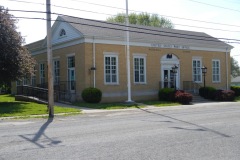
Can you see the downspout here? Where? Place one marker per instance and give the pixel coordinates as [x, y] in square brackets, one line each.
[94, 64]
[227, 67]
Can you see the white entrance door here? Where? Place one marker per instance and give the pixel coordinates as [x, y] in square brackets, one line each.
[168, 81]
[168, 78]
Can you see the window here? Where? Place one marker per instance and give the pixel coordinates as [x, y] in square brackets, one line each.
[33, 78]
[197, 72]
[71, 73]
[111, 69]
[56, 71]
[19, 83]
[139, 69]
[25, 81]
[62, 33]
[42, 73]
[216, 70]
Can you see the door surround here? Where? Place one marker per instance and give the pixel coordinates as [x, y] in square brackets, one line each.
[167, 62]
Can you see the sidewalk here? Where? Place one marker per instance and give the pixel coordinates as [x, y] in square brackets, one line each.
[148, 107]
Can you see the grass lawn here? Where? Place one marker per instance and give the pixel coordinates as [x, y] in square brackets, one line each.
[107, 106]
[11, 108]
[110, 106]
[161, 103]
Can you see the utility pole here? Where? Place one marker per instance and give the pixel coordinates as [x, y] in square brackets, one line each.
[128, 56]
[49, 57]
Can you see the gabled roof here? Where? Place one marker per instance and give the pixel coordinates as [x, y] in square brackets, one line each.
[155, 35]
[138, 33]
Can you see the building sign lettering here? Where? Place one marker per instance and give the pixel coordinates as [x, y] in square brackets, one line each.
[158, 45]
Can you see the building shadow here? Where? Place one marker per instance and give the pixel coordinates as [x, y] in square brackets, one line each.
[41, 133]
[199, 127]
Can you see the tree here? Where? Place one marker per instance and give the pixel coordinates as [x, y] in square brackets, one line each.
[143, 19]
[235, 68]
[15, 60]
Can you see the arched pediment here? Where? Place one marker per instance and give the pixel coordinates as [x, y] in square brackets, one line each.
[169, 57]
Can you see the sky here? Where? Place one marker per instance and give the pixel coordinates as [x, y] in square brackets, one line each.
[221, 17]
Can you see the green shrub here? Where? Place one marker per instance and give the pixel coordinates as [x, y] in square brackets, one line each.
[92, 95]
[225, 95]
[166, 94]
[236, 89]
[207, 92]
[183, 97]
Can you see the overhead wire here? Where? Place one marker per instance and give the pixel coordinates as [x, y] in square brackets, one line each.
[124, 10]
[118, 24]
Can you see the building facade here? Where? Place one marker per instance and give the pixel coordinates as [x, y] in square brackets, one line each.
[89, 53]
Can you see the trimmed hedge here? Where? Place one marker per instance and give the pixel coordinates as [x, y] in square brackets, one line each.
[166, 94]
[236, 89]
[92, 95]
[207, 92]
[183, 97]
[225, 95]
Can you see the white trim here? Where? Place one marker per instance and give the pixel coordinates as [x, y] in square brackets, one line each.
[70, 54]
[81, 40]
[55, 58]
[142, 56]
[111, 54]
[219, 74]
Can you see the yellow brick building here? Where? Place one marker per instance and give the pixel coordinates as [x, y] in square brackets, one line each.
[89, 53]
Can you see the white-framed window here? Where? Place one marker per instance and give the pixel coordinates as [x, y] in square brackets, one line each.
[18, 83]
[25, 81]
[216, 71]
[56, 71]
[111, 69]
[42, 73]
[196, 68]
[139, 68]
[71, 72]
[33, 78]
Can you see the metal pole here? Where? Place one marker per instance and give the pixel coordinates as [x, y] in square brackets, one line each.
[128, 56]
[204, 80]
[49, 57]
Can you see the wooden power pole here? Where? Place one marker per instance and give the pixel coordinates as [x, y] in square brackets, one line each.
[49, 57]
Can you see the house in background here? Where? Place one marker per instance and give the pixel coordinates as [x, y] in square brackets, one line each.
[90, 53]
[235, 81]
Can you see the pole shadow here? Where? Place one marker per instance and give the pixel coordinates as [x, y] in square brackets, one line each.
[41, 132]
[201, 128]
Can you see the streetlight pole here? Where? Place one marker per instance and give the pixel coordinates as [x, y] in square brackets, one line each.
[204, 71]
[174, 70]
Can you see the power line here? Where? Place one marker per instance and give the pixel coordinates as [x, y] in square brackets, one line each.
[215, 6]
[70, 8]
[130, 30]
[117, 24]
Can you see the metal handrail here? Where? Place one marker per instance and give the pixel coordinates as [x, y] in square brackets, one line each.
[191, 86]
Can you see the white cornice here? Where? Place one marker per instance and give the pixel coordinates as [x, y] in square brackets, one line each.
[121, 42]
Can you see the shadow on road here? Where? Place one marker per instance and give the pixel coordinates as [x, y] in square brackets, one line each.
[41, 132]
[200, 128]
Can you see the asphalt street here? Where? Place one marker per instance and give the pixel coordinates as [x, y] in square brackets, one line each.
[198, 132]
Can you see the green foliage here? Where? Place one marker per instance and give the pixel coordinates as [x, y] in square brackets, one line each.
[225, 95]
[92, 95]
[236, 89]
[15, 60]
[183, 97]
[207, 92]
[166, 94]
[235, 68]
[143, 19]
